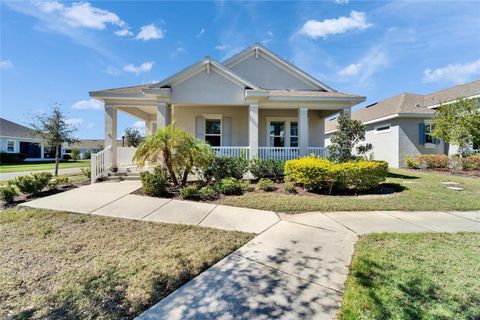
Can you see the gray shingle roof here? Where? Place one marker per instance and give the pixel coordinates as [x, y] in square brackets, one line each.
[126, 90]
[452, 93]
[15, 130]
[88, 144]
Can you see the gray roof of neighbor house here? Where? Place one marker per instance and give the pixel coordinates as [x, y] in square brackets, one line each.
[126, 90]
[15, 130]
[88, 144]
[409, 103]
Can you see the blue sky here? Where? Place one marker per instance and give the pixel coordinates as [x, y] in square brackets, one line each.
[58, 51]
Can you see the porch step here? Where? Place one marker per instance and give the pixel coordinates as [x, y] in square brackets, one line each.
[122, 178]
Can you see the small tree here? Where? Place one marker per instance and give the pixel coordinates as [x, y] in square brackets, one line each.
[53, 128]
[133, 137]
[458, 123]
[75, 154]
[349, 134]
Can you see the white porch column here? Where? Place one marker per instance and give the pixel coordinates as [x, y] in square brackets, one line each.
[253, 130]
[111, 131]
[303, 131]
[163, 115]
[42, 151]
[148, 128]
[348, 112]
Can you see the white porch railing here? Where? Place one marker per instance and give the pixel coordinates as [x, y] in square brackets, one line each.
[476, 151]
[232, 151]
[99, 164]
[318, 151]
[278, 153]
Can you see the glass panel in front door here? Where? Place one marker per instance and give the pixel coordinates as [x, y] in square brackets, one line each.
[277, 134]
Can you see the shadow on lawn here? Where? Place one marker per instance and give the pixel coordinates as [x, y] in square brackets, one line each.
[401, 176]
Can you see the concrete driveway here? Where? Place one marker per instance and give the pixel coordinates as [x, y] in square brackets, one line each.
[295, 268]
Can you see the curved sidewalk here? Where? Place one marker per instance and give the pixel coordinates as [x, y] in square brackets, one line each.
[295, 268]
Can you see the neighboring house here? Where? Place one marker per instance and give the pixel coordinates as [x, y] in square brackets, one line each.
[15, 138]
[85, 146]
[401, 125]
[254, 104]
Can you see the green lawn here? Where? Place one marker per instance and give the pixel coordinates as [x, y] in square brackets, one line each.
[61, 265]
[28, 166]
[421, 191]
[414, 276]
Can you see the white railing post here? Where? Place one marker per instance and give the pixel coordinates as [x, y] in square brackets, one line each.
[93, 168]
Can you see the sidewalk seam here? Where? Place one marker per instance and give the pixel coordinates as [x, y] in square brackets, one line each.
[169, 200]
[341, 224]
[207, 214]
[423, 227]
[453, 214]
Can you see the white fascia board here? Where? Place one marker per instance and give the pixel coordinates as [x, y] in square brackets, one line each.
[453, 101]
[23, 139]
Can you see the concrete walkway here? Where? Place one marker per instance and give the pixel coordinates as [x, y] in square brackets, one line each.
[295, 268]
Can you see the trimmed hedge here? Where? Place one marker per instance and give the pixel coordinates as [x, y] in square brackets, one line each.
[266, 168]
[227, 167]
[11, 157]
[321, 174]
[472, 162]
[154, 184]
[427, 161]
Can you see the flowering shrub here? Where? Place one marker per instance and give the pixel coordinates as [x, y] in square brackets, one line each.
[317, 173]
[427, 161]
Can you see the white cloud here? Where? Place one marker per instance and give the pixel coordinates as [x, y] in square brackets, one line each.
[222, 47]
[201, 32]
[372, 62]
[139, 124]
[177, 51]
[454, 73]
[49, 6]
[315, 29]
[74, 121]
[341, 1]
[150, 32]
[350, 70]
[84, 15]
[124, 33]
[144, 67]
[90, 104]
[6, 64]
[112, 71]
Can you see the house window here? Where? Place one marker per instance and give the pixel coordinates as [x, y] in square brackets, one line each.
[213, 132]
[294, 134]
[277, 133]
[383, 128]
[10, 146]
[428, 133]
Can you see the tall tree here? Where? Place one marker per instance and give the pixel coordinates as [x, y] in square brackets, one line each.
[53, 128]
[458, 123]
[133, 137]
[348, 135]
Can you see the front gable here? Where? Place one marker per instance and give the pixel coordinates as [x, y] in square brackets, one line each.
[262, 67]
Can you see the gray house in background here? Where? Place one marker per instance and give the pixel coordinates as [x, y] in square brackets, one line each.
[85, 146]
[401, 125]
[15, 138]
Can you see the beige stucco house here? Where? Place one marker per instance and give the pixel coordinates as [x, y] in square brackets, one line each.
[254, 104]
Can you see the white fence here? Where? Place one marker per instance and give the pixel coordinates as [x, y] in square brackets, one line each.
[232, 151]
[282, 154]
[99, 164]
[318, 151]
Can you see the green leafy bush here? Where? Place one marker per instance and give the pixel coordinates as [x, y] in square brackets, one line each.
[229, 186]
[87, 155]
[75, 154]
[58, 181]
[11, 157]
[33, 183]
[227, 167]
[472, 162]
[410, 162]
[8, 193]
[317, 174]
[266, 168]
[289, 187]
[266, 185]
[154, 184]
[189, 192]
[207, 193]
[86, 172]
[67, 157]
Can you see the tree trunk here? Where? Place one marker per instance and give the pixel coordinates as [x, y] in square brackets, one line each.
[57, 158]
[168, 163]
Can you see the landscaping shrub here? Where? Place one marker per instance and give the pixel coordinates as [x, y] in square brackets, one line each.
[472, 162]
[317, 173]
[57, 181]
[34, 183]
[229, 186]
[87, 155]
[75, 154]
[268, 168]
[266, 185]
[8, 193]
[247, 186]
[11, 157]
[207, 193]
[189, 193]
[154, 184]
[67, 157]
[86, 171]
[227, 167]
[427, 161]
[289, 187]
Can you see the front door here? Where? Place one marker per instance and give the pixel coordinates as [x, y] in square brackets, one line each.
[283, 133]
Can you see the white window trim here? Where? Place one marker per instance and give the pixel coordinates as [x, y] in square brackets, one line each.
[13, 146]
[428, 145]
[287, 121]
[383, 131]
[213, 117]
